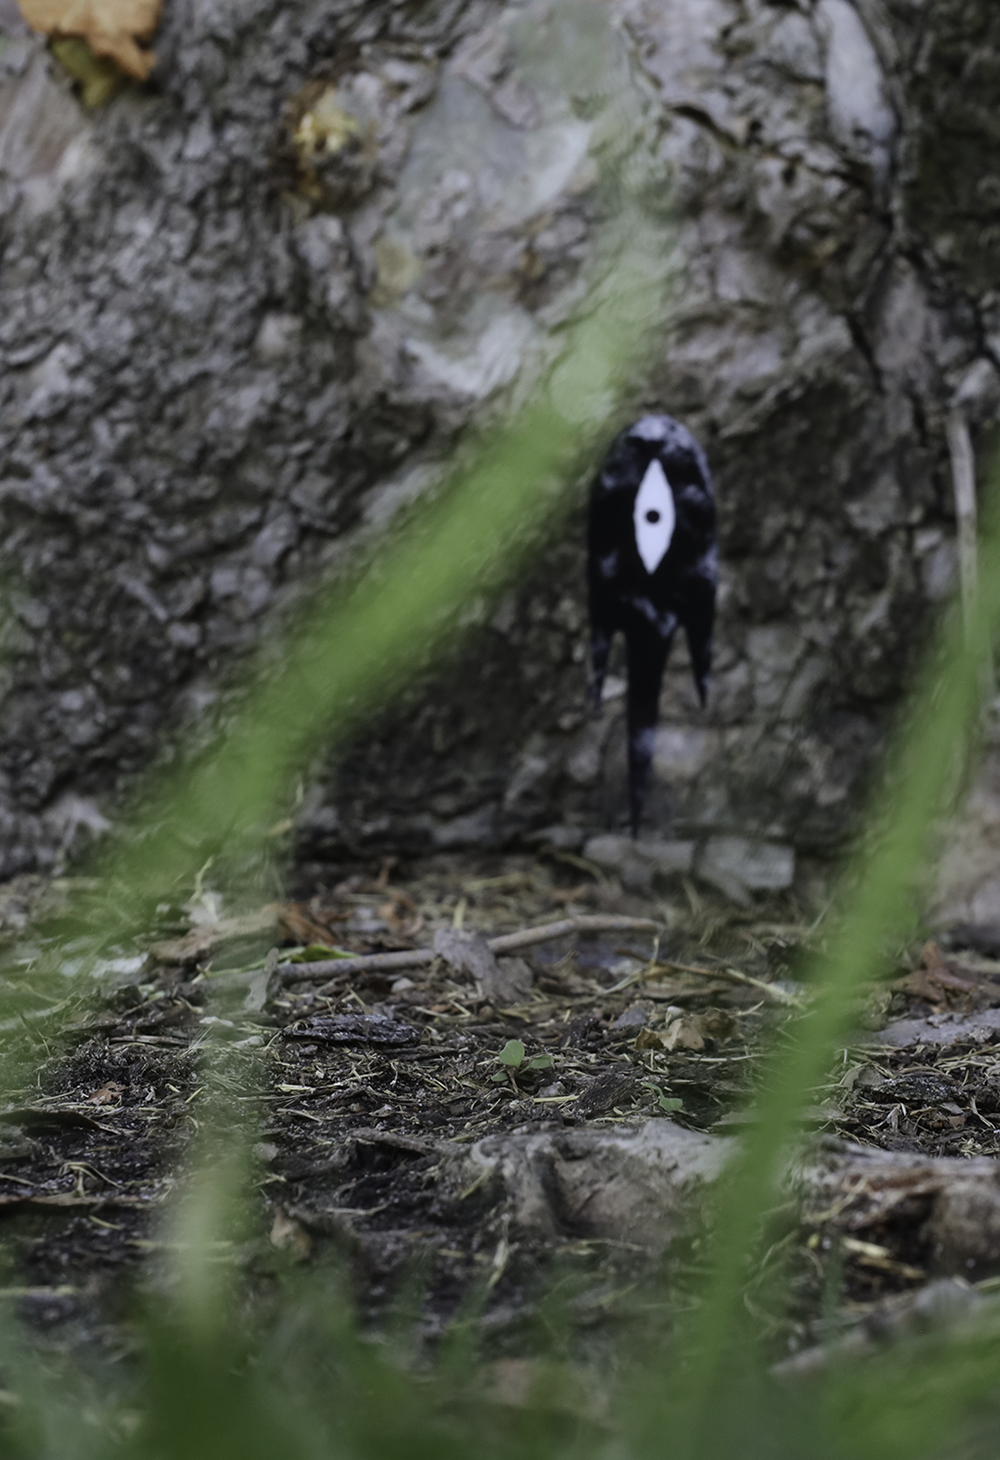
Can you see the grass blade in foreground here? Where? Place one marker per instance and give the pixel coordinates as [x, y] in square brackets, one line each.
[941, 726]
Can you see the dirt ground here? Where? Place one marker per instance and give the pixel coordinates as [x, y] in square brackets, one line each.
[362, 1090]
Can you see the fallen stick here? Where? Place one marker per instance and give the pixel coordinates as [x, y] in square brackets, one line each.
[585, 923]
[328, 968]
[364, 963]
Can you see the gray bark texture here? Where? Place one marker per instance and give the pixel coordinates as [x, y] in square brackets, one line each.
[227, 359]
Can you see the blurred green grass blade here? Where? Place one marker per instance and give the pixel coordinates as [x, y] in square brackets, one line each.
[921, 774]
[927, 1399]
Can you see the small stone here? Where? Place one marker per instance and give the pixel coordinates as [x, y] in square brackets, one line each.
[633, 1018]
[563, 838]
[475, 830]
[638, 862]
[738, 866]
[607, 851]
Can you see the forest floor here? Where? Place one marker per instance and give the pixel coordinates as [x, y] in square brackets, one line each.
[465, 1146]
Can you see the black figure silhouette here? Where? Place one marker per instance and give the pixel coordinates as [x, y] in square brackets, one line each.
[652, 563]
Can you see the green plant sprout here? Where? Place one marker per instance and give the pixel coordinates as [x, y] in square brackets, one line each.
[665, 1102]
[512, 1057]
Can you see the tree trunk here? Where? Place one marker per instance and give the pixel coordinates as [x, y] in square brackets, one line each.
[234, 339]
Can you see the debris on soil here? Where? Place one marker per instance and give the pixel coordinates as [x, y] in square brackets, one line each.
[903, 1193]
[526, 1067]
[405, 1107]
[520, 1094]
[908, 1215]
[354, 1029]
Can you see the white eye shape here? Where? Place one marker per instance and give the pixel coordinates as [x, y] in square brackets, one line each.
[654, 516]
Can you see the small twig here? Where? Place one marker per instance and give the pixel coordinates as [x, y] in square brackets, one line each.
[780, 996]
[343, 967]
[505, 943]
[585, 923]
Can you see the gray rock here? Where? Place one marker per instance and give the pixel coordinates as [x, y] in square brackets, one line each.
[640, 1185]
[981, 1027]
[634, 1018]
[738, 866]
[614, 853]
[476, 830]
[563, 838]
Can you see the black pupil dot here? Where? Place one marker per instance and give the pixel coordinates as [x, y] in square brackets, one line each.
[652, 516]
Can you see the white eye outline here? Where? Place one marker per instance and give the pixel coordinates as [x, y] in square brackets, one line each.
[654, 516]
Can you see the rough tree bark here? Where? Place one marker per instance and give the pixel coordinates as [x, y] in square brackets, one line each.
[233, 337]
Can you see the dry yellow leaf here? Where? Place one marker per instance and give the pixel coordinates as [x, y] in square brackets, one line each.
[113, 28]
